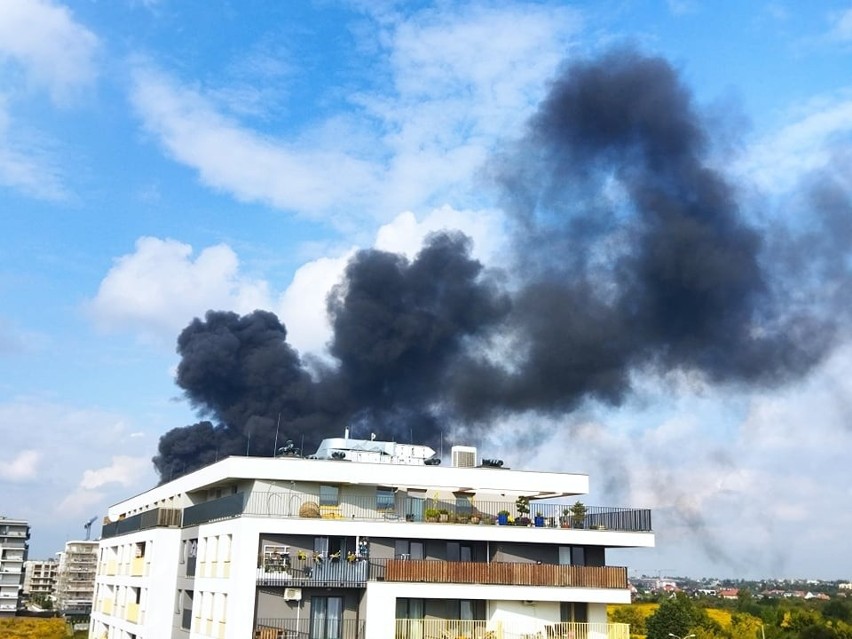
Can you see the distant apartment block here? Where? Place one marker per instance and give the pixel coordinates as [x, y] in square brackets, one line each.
[40, 578]
[75, 580]
[14, 534]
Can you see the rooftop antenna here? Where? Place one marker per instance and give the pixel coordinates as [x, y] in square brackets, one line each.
[88, 527]
[277, 426]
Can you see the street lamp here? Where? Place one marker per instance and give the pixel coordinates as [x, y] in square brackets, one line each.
[671, 634]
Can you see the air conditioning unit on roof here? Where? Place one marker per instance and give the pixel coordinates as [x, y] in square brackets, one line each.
[464, 456]
[292, 594]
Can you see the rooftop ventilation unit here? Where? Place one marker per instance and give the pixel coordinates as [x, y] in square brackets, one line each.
[464, 456]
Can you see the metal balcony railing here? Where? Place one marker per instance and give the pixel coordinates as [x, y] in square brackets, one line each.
[277, 628]
[479, 629]
[283, 504]
[286, 504]
[355, 574]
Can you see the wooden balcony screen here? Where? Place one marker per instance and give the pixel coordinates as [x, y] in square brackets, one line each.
[516, 574]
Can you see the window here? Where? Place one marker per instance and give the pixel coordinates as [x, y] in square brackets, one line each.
[572, 555]
[576, 611]
[186, 616]
[459, 552]
[385, 499]
[326, 617]
[327, 546]
[329, 495]
[191, 556]
[405, 549]
[409, 615]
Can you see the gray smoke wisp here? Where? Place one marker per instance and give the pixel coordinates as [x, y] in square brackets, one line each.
[630, 252]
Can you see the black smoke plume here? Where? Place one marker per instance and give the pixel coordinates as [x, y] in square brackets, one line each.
[631, 253]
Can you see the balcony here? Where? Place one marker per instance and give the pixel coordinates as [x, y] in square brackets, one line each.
[409, 510]
[273, 628]
[355, 574]
[455, 629]
[132, 613]
[155, 518]
[511, 574]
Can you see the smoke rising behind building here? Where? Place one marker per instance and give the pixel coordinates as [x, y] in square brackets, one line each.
[631, 251]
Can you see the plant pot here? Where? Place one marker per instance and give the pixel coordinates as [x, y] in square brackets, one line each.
[539, 521]
[503, 519]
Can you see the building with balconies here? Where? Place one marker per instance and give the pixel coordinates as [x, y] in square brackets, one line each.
[40, 578]
[14, 535]
[75, 577]
[368, 540]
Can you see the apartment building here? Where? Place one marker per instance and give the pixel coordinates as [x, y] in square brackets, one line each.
[365, 540]
[14, 534]
[75, 577]
[40, 578]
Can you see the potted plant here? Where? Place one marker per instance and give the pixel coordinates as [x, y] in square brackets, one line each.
[503, 517]
[565, 519]
[475, 518]
[443, 515]
[578, 514]
[431, 514]
[522, 505]
[539, 519]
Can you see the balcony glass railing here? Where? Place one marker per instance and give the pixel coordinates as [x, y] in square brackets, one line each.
[353, 574]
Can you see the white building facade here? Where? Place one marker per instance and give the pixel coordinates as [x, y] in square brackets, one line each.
[14, 535]
[339, 549]
[75, 578]
[40, 578]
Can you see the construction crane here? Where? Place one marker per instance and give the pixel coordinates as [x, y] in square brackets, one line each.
[88, 527]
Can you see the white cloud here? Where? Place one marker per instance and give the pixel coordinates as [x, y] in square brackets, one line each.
[302, 306]
[230, 157]
[42, 48]
[21, 467]
[413, 146]
[405, 233]
[56, 53]
[124, 470]
[159, 288]
[779, 160]
[73, 463]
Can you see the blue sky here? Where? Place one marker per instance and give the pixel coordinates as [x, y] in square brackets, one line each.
[162, 158]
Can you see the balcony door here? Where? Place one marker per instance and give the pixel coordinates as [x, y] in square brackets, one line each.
[409, 618]
[326, 617]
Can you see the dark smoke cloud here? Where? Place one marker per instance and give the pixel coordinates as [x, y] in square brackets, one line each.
[398, 325]
[631, 252]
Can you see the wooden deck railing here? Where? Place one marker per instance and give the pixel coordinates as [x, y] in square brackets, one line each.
[515, 574]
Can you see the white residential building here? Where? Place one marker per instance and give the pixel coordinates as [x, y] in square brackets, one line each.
[75, 578]
[14, 534]
[40, 578]
[351, 546]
